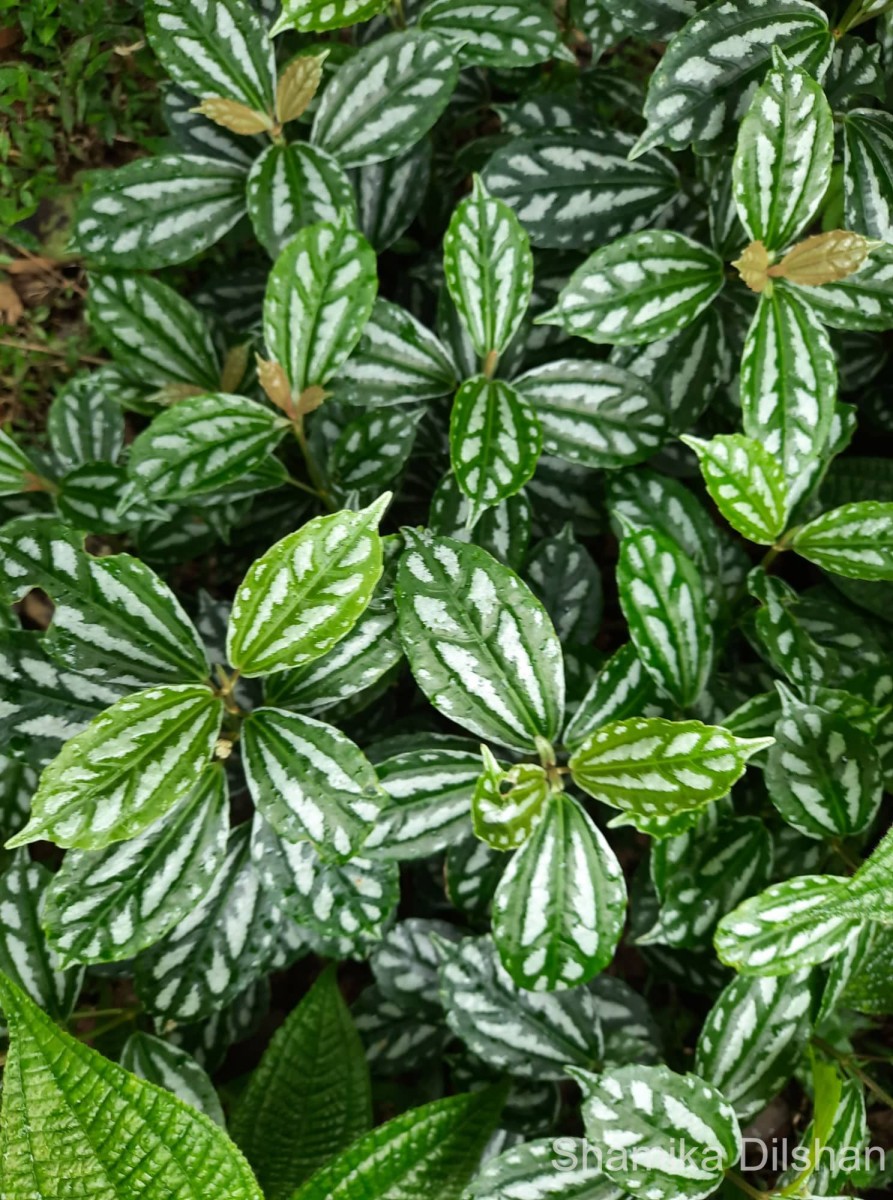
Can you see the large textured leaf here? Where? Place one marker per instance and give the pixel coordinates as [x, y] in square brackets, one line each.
[426, 1151]
[85, 423]
[203, 444]
[500, 33]
[385, 98]
[480, 645]
[319, 296]
[868, 172]
[158, 211]
[309, 780]
[308, 16]
[72, 1119]
[292, 186]
[701, 86]
[746, 483]
[580, 189]
[559, 908]
[641, 288]
[489, 270]
[855, 540]
[495, 442]
[783, 160]
[175, 1070]
[309, 1097]
[594, 413]
[106, 905]
[306, 593]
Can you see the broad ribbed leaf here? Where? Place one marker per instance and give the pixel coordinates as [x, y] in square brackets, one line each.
[428, 1151]
[489, 270]
[309, 16]
[385, 98]
[648, 767]
[291, 186]
[203, 444]
[480, 645]
[678, 1133]
[529, 1034]
[309, 780]
[217, 49]
[158, 211]
[17, 472]
[106, 905]
[746, 482]
[495, 442]
[751, 1042]
[508, 805]
[788, 384]
[855, 540]
[868, 172]
[861, 301]
[169, 1067]
[306, 593]
[68, 1111]
[573, 189]
[622, 688]
[85, 423]
[319, 296]
[544, 1169]
[128, 768]
[559, 908]
[594, 413]
[641, 288]
[700, 88]
[499, 33]
[309, 1097]
[782, 164]
[662, 596]
[564, 576]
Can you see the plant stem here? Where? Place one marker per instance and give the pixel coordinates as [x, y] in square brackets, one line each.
[740, 1182]
[846, 1061]
[312, 467]
[35, 348]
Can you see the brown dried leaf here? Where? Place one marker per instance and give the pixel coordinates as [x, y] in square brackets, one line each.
[310, 399]
[232, 115]
[11, 307]
[274, 381]
[824, 258]
[753, 266]
[297, 86]
[234, 366]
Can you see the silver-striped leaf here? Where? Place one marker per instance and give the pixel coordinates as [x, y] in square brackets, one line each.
[855, 540]
[310, 781]
[395, 1041]
[783, 639]
[385, 98]
[307, 592]
[390, 194]
[107, 905]
[660, 18]
[406, 964]
[167, 1066]
[559, 909]
[503, 531]
[17, 472]
[507, 805]
[641, 288]
[868, 172]
[373, 448]
[489, 270]
[746, 483]
[85, 423]
[128, 768]
[497, 33]
[159, 211]
[291, 186]
[480, 645]
[545, 1169]
[319, 296]
[193, 133]
[861, 301]
[312, 16]
[622, 688]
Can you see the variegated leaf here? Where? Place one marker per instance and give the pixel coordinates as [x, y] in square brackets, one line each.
[746, 482]
[868, 172]
[649, 767]
[572, 189]
[17, 472]
[622, 688]
[480, 645]
[660, 18]
[306, 593]
[861, 301]
[85, 423]
[559, 909]
[529, 1034]
[311, 16]
[663, 600]
[544, 1169]
[473, 871]
[169, 1067]
[497, 33]
[495, 442]
[503, 531]
[385, 98]
[158, 211]
[702, 85]
[374, 448]
[391, 193]
[508, 805]
[752, 1039]
[489, 271]
[641, 288]
[406, 964]
[784, 639]
[107, 905]
[394, 1040]
[292, 186]
[319, 296]
[194, 133]
[128, 768]
[565, 577]
[855, 540]
[202, 445]
[782, 164]
[310, 781]
[594, 413]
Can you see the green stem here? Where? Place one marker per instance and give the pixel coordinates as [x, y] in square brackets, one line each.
[312, 466]
[741, 1183]
[846, 1061]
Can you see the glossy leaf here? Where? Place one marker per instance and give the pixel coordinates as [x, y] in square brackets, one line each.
[173, 1069]
[17, 472]
[868, 172]
[501, 33]
[292, 186]
[508, 805]
[746, 482]
[855, 540]
[310, 16]
[85, 423]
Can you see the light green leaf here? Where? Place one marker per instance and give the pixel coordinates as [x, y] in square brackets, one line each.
[17, 472]
[649, 767]
[489, 270]
[309, 1097]
[862, 301]
[782, 164]
[307, 592]
[622, 688]
[501, 33]
[171, 1068]
[641, 288]
[294, 185]
[544, 1169]
[559, 909]
[385, 98]
[495, 442]
[480, 645]
[85, 423]
[106, 905]
[746, 482]
[65, 1112]
[868, 172]
[311, 16]
[508, 805]
[319, 296]
[855, 540]
[159, 211]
